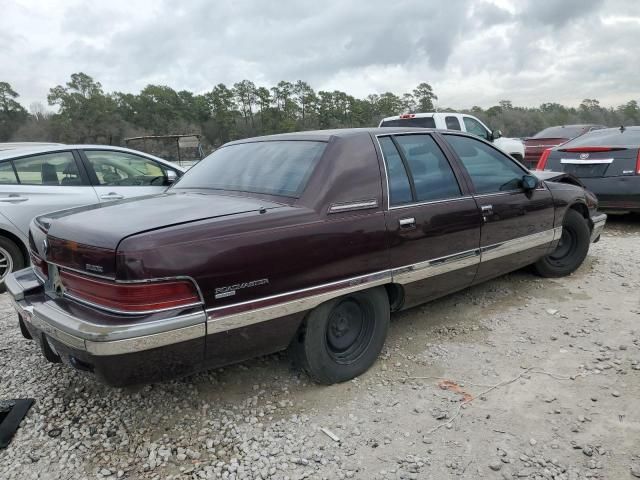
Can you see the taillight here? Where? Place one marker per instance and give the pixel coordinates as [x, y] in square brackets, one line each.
[638, 163]
[591, 149]
[40, 265]
[130, 297]
[543, 159]
[407, 115]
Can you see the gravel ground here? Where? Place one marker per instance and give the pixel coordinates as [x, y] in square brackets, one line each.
[521, 377]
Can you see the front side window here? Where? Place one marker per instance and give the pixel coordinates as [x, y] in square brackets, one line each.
[125, 170]
[452, 123]
[490, 170]
[280, 168]
[57, 168]
[475, 127]
[432, 175]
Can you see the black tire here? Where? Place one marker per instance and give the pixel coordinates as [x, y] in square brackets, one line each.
[571, 250]
[342, 338]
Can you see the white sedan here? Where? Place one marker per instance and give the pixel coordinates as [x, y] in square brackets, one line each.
[40, 179]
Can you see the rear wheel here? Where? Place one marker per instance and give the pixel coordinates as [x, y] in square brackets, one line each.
[343, 337]
[571, 249]
[11, 259]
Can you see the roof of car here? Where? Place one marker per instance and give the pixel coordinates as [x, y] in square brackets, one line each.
[33, 150]
[326, 135]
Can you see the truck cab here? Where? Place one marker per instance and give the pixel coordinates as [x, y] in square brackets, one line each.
[457, 121]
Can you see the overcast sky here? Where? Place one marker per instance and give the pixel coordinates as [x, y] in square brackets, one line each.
[473, 52]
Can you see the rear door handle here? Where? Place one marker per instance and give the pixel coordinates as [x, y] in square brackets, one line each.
[112, 196]
[407, 223]
[11, 199]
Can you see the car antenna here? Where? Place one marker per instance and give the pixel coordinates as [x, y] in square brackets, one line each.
[622, 129]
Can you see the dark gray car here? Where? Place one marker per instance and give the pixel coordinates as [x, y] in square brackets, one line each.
[41, 179]
[607, 161]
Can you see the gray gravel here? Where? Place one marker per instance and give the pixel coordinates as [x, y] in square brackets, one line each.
[569, 347]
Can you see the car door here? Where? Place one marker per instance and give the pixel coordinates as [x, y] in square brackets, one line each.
[117, 175]
[36, 184]
[517, 226]
[433, 223]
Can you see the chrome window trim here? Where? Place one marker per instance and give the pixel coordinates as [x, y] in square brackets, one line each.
[355, 205]
[430, 202]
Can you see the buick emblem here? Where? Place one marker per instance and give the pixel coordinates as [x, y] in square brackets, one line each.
[45, 246]
[584, 156]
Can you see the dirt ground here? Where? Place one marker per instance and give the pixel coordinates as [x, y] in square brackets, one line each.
[521, 377]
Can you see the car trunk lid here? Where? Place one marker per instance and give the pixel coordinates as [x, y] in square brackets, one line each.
[86, 238]
[594, 162]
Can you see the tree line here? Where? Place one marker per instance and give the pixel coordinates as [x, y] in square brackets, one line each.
[87, 114]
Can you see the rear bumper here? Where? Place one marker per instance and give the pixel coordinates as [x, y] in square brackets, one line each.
[616, 193]
[119, 352]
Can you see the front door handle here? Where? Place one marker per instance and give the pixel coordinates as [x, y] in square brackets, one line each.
[407, 223]
[13, 199]
[487, 211]
[112, 196]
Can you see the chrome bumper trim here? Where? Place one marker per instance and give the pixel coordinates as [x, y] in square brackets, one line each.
[599, 221]
[102, 339]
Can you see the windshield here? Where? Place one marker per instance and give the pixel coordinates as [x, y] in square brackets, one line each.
[561, 132]
[271, 167]
[420, 122]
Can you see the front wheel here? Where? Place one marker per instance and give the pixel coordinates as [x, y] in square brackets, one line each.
[343, 337]
[571, 250]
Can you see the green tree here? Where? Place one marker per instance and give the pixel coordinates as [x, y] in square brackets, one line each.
[424, 97]
[12, 114]
[85, 113]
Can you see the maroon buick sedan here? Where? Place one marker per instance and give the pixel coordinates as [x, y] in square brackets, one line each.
[304, 241]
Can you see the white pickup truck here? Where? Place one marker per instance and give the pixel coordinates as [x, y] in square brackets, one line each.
[457, 121]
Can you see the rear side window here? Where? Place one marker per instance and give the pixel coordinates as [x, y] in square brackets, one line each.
[399, 188]
[7, 175]
[415, 122]
[490, 170]
[417, 170]
[274, 168]
[432, 175]
[50, 169]
[452, 123]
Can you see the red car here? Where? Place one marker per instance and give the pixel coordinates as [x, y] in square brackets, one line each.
[304, 240]
[552, 137]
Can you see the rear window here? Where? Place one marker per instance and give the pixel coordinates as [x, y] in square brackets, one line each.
[273, 168]
[611, 137]
[561, 132]
[415, 122]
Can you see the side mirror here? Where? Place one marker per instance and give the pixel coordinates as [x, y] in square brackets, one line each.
[172, 176]
[496, 134]
[529, 182]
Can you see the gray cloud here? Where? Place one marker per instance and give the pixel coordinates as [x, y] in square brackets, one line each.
[472, 51]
